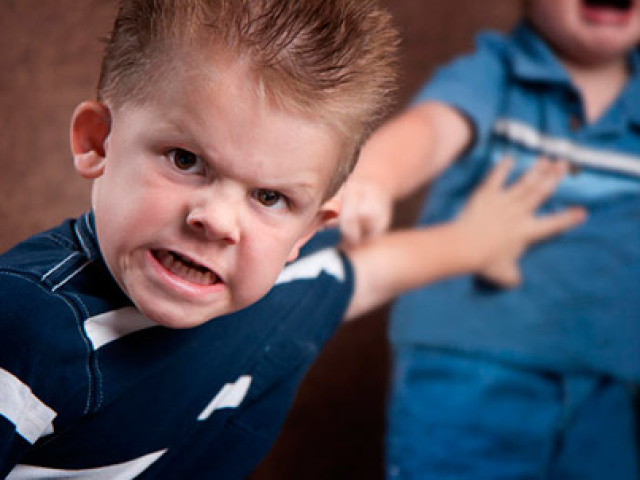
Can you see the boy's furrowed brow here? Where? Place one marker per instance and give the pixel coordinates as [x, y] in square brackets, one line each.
[181, 132]
[302, 188]
[306, 192]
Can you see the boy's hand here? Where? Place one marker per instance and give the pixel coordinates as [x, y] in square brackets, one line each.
[502, 221]
[367, 208]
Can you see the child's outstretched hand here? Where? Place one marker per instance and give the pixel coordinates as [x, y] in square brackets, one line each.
[502, 223]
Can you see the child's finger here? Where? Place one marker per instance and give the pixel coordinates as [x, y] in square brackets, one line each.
[498, 175]
[556, 223]
[505, 275]
[530, 181]
[542, 185]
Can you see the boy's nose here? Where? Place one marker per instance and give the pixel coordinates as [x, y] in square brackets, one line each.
[215, 219]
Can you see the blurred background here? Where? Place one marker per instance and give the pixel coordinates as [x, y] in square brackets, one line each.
[50, 54]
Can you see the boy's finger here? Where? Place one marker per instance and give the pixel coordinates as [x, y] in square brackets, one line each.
[532, 180]
[556, 223]
[504, 276]
[542, 185]
[498, 175]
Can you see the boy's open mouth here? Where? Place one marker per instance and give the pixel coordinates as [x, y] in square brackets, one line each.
[608, 13]
[185, 268]
[621, 5]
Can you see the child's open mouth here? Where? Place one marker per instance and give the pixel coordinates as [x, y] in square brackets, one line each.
[185, 268]
[607, 12]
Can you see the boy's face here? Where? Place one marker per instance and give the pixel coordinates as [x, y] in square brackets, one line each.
[203, 193]
[588, 31]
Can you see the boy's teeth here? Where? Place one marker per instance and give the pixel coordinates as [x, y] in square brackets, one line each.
[185, 269]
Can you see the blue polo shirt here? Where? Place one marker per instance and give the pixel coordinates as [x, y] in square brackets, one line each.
[90, 388]
[579, 306]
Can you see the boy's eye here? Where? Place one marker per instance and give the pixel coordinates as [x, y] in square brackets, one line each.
[269, 198]
[183, 159]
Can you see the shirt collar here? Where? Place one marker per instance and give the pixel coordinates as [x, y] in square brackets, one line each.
[532, 59]
[85, 231]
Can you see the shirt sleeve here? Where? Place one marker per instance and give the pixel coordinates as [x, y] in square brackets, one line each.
[318, 285]
[314, 300]
[473, 84]
[30, 392]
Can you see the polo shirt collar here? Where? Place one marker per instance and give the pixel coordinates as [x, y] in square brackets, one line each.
[85, 232]
[533, 60]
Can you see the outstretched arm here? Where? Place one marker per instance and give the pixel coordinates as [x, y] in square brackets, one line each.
[400, 157]
[493, 230]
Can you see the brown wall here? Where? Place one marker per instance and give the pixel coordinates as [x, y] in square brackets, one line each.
[49, 52]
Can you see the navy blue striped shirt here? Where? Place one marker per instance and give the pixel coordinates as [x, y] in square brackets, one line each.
[90, 388]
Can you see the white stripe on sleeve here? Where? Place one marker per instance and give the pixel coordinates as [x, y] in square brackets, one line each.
[18, 404]
[120, 471]
[327, 260]
[229, 396]
[109, 326]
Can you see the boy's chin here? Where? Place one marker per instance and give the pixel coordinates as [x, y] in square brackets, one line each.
[182, 319]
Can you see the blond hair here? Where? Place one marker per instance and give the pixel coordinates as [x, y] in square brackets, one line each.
[333, 60]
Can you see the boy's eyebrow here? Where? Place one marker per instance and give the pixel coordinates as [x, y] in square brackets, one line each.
[302, 189]
[177, 130]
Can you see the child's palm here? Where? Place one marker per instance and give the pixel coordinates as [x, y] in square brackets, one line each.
[503, 220]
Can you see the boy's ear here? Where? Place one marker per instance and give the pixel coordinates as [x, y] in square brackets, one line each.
[90, 127]
[329, 211]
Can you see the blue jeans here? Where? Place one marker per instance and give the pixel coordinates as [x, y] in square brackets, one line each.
[455, 416]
